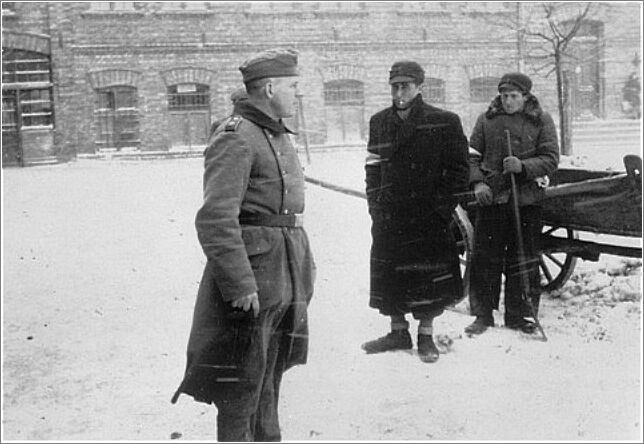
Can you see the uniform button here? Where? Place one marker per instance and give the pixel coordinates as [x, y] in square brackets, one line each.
[283, 173]
[285, 211]
[285, 191]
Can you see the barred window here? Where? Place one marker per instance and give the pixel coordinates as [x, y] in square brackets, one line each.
[343, 92]
[24, 66]
[28, 74]
[188, 96]
[483, 89]
[184, 6]
[111, 6]
[36, 107]
[435, 90]
[9, 120]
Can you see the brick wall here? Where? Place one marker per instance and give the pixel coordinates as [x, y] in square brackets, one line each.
[453, 41]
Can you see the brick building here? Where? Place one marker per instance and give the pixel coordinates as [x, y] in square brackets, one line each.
[87, 78]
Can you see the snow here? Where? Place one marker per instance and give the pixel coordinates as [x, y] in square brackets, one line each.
[101, 266]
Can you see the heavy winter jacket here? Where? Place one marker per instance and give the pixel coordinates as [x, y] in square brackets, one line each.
[533, 140]
[250, 168]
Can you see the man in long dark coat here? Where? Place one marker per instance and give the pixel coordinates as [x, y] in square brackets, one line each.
[535, 155]
[250, 317]
[417, 160]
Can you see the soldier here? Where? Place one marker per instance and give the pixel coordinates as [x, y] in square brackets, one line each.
[417, 160]
[236, 96]
[250, 318]
[535, 155]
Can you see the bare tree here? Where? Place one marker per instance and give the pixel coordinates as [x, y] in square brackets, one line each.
[544, 32]
[557, 25]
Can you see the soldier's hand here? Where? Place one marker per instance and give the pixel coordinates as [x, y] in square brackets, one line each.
[512, 164]
[483, 194]
[246, 302]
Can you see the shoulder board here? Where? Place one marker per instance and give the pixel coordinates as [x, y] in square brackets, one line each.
[233, 123]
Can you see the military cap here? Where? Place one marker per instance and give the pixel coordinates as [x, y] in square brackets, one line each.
[278, 62]
[238, 94]
[515, 80]
[406, 71]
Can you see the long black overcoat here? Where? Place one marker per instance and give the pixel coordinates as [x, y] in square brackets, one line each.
[414, 167]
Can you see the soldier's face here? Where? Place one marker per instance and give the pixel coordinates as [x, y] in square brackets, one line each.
[513, 100]
[402, 93]
[283, 99]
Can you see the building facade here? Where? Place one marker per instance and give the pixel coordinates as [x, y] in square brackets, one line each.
[88, 78]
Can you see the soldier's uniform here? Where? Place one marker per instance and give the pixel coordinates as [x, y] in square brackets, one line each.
[250, 228]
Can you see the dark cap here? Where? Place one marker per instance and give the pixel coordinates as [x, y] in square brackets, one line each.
[278, 62]
[406, 71]
[516, 80]
[238, 94]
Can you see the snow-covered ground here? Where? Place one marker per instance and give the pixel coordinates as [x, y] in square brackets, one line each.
[100, 270]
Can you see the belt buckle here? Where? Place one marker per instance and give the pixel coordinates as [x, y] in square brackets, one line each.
[299, 220]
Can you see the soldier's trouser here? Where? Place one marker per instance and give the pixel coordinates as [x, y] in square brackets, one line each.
[252, 411]
[495, 252]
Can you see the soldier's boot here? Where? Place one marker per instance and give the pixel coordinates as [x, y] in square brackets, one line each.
[427, 351]
[480, 324]
[394, 340]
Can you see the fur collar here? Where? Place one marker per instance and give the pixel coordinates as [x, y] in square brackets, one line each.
[532, 109]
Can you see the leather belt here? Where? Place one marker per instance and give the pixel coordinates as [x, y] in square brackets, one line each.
[272, 220]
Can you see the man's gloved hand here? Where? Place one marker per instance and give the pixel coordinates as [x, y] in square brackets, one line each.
[483, 193]
[512, 164]
[246, 302]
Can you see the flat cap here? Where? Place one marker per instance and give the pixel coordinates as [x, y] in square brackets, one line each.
[516, 80]
[278, 62]
[406, 71]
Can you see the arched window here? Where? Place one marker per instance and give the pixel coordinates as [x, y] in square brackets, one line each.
[483, 89]
[29, 72]
[434, 90]
[186, 96]
[343, 92]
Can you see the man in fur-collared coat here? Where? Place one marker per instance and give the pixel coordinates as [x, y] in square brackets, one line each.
[417, 160]
[535, 155]
[250, 318]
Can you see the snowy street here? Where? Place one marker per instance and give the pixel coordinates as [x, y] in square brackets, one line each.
[101, 266]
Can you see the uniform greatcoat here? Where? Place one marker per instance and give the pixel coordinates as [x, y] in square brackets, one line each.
[251, 169]
[414, 166]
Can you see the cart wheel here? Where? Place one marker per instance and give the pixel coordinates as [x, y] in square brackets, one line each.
[464, 234]
[556, 267]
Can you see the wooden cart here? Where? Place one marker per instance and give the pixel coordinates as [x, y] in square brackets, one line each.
[577, 200]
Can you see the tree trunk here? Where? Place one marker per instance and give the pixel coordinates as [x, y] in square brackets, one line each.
[565, 147]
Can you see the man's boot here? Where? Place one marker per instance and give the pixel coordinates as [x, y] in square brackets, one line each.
[480, 324]
[394, 340]
[427, 351]
[520, 323]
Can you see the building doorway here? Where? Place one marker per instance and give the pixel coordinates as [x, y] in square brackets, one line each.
[117, 118]
[189, 116]
[584, 65]
[344, 108]
[11, 149]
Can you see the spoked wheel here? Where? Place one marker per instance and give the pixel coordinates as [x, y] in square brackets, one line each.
[464, 234]
[556, 267]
